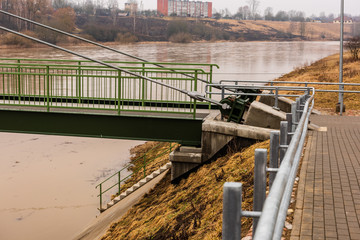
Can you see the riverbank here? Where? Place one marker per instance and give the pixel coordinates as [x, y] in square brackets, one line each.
[184, 30]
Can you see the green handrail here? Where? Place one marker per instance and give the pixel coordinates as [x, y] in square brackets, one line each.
[143, 166]
[73, 84]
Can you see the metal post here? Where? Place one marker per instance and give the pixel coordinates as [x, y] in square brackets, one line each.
[100, 197]
[283, 139]
[259, 182]
[290, 125]
[276, 99]
[232, 200]
[119, 176]
[19, 80]
[341, 87]
[274, 154]
[294, 117]
[119, 92]
[78, 82]
[47, 89]
[195, 89]
[298, 113]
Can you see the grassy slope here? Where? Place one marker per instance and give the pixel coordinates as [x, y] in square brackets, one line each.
[327, 70]
[193, 208]
[276, 30]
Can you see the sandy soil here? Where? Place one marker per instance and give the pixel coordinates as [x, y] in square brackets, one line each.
[47, 183]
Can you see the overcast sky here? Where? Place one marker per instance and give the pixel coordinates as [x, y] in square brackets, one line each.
[307, 6]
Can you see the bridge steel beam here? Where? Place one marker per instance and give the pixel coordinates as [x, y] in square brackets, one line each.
[183, 131]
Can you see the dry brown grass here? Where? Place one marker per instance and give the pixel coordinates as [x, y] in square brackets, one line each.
[327, 70]
[313, 31]
[191, 209]
[159, 151]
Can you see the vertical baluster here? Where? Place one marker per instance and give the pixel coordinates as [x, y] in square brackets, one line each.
[274, 154]
[232, 200]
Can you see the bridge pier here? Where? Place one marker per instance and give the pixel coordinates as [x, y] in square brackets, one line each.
[216, 134]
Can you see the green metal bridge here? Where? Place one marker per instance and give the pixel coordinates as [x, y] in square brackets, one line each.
[83, 98]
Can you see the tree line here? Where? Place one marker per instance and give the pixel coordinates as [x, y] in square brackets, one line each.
[251, 12]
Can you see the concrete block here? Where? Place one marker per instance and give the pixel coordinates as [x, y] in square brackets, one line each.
[110, 204]
[179, 169]
[129, 191]
[212, 143]
[149, 178]
[117, 199]
[186, 149]
[262, 115]
[187, 157]
[142, 182]
[284, 104]
[155, 174]
[122, 196]
[237, 130]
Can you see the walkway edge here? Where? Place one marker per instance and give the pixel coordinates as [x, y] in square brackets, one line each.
[295, 233]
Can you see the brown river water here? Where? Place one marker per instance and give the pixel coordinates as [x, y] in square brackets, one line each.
[47, 183]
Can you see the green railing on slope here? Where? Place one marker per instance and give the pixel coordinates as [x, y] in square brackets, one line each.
[121, 179]
[54, 84]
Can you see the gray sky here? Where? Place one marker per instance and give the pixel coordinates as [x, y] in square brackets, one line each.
[308, 6]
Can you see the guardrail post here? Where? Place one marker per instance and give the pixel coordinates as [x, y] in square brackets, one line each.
[290, 125]
[283, 139]
[276, 105]
[294, 117]
[274, 154]
[259, 182]
[232, 200]
[298, 108]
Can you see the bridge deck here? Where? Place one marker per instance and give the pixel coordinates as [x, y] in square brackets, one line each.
[328, 199]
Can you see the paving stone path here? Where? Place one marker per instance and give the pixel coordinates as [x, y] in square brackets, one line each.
[328, 199]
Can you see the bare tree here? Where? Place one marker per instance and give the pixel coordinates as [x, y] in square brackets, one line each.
[269, 14]
[254, 6]
[354, 47]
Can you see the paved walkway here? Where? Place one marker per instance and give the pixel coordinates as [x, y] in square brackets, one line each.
[328, 200]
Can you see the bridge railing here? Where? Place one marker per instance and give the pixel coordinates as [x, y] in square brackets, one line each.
[286, 146]
[58, 84]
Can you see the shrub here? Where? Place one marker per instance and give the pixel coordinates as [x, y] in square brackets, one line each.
[181, 37]
[353, 45]
[126, 38]
[12, 39]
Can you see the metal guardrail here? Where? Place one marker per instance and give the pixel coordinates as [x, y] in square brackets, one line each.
[270, 212]
[84, 85]
[306, 84]
[123, 175]
[223, 90]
